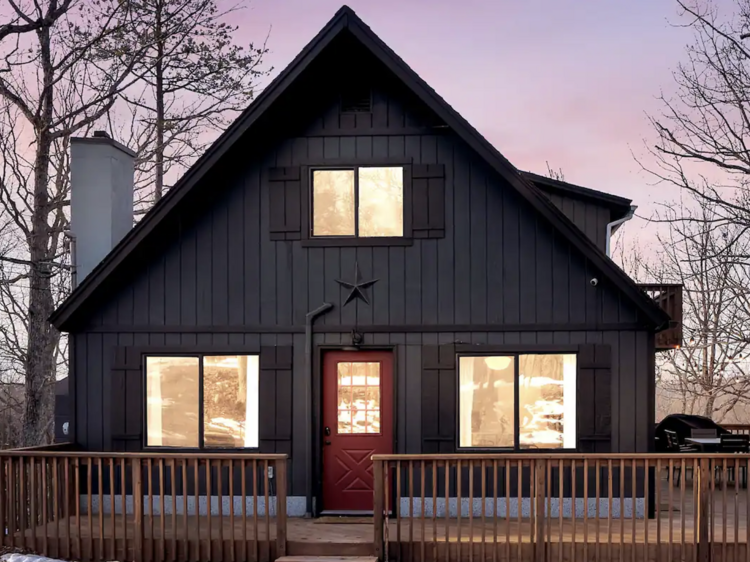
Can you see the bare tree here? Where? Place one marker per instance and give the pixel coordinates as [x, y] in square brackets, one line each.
[703, 130]
[53, 85]
[192, 79]
[708, 375]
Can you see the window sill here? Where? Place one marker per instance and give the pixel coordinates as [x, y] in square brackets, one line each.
[355, 242]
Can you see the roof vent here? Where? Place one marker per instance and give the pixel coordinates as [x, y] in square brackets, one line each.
[356, 99]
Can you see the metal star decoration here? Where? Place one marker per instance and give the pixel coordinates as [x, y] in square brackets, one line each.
[357, 289]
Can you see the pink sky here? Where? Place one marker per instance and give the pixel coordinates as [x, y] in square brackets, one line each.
[564, 81]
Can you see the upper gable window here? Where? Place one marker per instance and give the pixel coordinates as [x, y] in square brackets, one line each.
[358, 202]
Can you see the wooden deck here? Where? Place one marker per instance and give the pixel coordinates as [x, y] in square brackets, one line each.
[476, 538]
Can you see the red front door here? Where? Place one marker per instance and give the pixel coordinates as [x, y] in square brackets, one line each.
[357, 423]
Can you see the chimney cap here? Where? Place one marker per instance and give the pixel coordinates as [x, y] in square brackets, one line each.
[102, 137]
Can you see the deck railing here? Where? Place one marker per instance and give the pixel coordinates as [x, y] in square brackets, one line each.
[561, 507]
[133, 506]
[736, 428]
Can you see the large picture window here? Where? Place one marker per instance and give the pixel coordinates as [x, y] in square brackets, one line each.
[209, 401]
[364, 202]
[517, 401]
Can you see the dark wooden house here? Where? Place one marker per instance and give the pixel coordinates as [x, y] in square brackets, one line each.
[353, 269]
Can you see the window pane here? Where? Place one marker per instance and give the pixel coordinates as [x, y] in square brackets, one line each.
[230, 401]
[172, 401]
[381, 201]
[358, 397]
[486, 405]
[547, 401]
[333, 203]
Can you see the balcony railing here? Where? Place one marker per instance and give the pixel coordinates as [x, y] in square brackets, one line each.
[669, 297]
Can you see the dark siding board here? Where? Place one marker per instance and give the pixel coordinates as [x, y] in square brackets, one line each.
[315, 278]
[478, 243]
[267, 264]
[511, 259]
[445, 278]
[462, 236]
[363, 311]
[396, 278]
[413, 289]
[141, 298]
[235, 259]
[528, 260]
[380, 291]
[413, 404]
[284, 295]
[188, 279]
[219, 264]
[172, 286]
[346, 263]
[204, 267]
[641, 387]
[545, 274]
[334, 293]
[251, 236]
[430, 281]
[627, 391]
[82, 381]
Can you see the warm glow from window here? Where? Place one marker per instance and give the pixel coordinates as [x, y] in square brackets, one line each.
[172, 416]
[358, 389]
[366, 202]
[546, 386]
[333, 203]
[381, 201]
[547, 401]
[230, 401]
[486, 406]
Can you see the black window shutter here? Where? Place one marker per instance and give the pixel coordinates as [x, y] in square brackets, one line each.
[428, 200]
[275, 399]
[127, 400]
[285, 203]
[438, 398]
[594, 398]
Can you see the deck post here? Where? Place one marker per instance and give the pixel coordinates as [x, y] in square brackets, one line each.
[538, 513]
[135, 466]
[280, 507]
[704, 475]
[378, 507]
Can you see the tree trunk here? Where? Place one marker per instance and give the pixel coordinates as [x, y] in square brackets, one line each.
[42, 336]
[159, 151]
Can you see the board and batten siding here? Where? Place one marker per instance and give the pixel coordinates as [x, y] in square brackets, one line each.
[216, 282]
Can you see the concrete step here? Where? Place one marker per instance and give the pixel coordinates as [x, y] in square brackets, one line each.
[327, 559]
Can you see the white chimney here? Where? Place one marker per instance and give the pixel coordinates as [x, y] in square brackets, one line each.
[101, 198]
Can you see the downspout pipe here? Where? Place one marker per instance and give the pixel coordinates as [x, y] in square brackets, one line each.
[614, 225]
[309, 319]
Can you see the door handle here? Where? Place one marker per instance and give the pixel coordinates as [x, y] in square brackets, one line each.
[327, 431]
[327, 442]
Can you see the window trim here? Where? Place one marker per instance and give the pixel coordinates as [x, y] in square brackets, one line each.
[201, 438]
[307, 238]
[491, 351]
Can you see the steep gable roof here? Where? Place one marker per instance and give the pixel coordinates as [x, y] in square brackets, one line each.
[346, 21]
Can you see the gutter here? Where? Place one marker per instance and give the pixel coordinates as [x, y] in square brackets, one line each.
[309, 319]
[614, 225]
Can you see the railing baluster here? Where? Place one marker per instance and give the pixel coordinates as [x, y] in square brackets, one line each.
[243, 485]
[232, 552]
[124, 506]
[112, 511]
[185, 494]
[162, 514]
[434, 511]
[256, 528]
[422, 507]
[101, 508]
[173, 486]
[210, 510]
[281, 479]
[196, 476]
[220, 501]
[268, 512]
